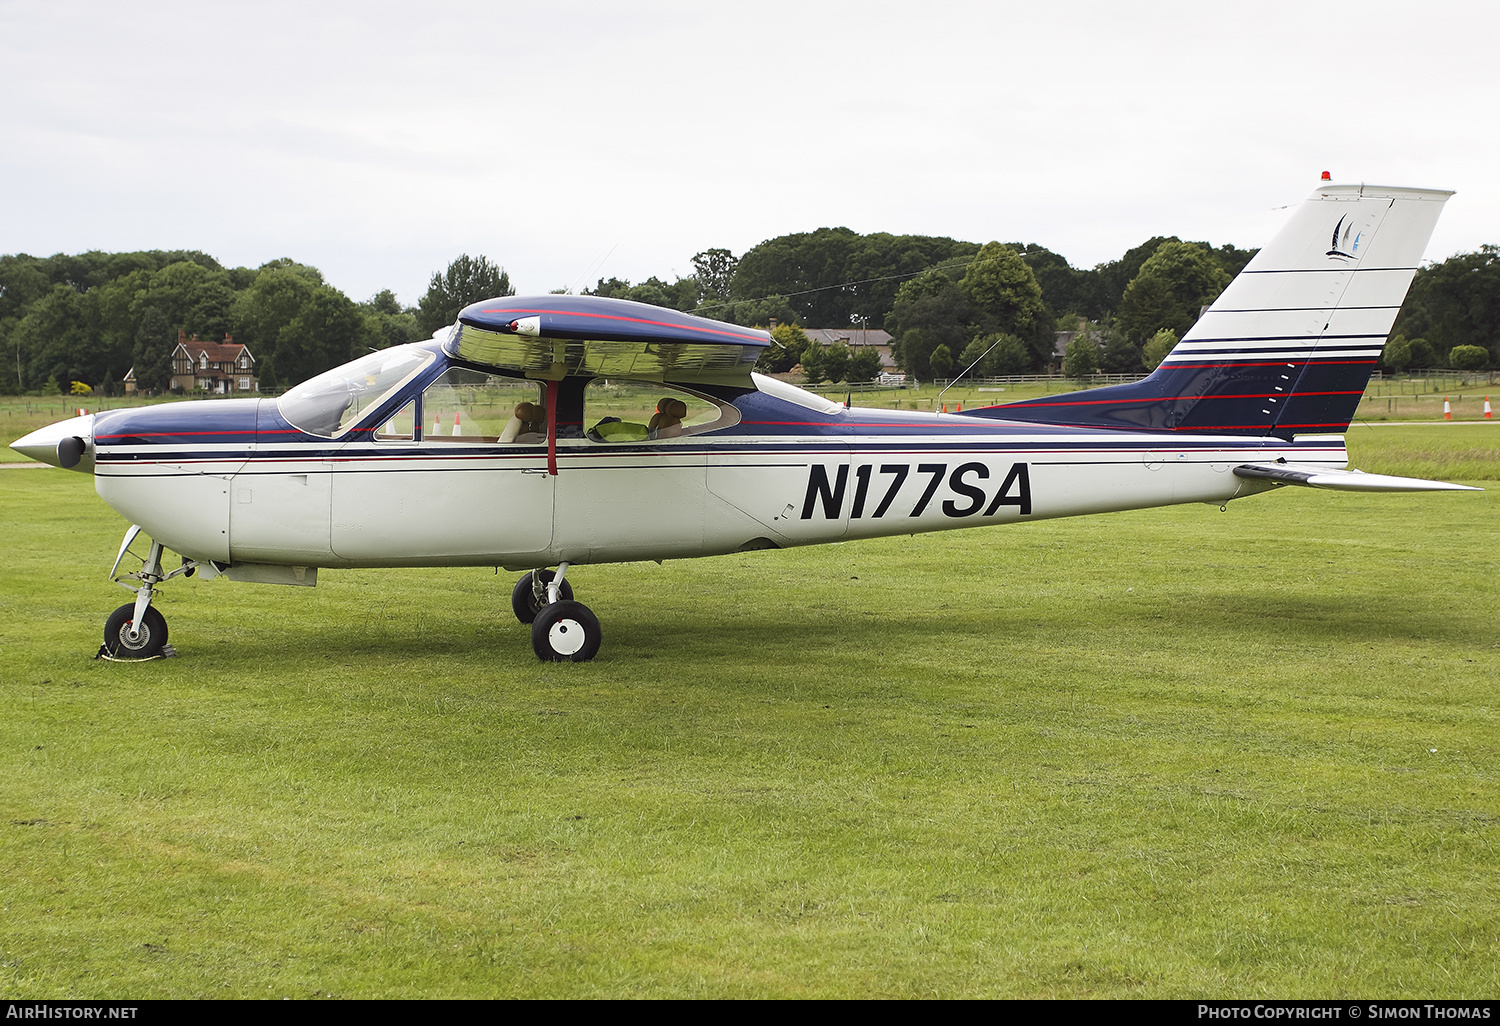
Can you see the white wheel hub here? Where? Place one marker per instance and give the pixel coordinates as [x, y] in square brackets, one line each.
[566, 636]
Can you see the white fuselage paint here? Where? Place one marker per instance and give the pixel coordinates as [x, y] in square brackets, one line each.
[361, 506]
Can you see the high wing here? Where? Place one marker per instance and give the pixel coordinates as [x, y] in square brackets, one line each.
[553, 337]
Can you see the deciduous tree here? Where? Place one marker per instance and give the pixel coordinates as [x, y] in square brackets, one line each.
[387, 323]
[1396, 355]
[1173, 284]
[1118, 355]
[788, 343]
[835, 277]
[714, 271]
[1157, 348]
[941, 362]
[930, 310]
[1423, 356]
[864, 365]
[1081, 358]
[152, 352]
[998, 354]
[54, 339]
[327, 331]
[467, 280]
[1468, 358]
[836, 361]
[1455, 302]
[1005, 297]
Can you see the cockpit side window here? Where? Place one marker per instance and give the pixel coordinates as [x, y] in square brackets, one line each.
[467, 406]
[401, 427]
[642, 411]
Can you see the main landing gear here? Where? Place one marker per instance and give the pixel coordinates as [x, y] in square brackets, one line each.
[136, 630]
[561, 630]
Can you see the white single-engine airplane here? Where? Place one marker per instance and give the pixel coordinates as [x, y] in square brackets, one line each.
[555, 431]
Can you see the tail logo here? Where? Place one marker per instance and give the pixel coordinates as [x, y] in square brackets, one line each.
[1345, 248]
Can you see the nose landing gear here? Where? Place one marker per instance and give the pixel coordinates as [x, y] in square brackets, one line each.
[136, 630]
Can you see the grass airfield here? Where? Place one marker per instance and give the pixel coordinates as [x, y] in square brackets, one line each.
[1173, 753]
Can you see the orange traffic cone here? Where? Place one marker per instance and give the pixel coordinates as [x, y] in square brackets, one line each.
[437, 424]
[458, 429]
[81, 412]
[960, 408]
[1447, 409]
[1488, 413]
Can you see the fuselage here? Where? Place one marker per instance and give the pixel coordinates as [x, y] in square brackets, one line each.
[233, 481]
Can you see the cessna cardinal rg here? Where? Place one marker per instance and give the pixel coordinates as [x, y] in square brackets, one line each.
[557, 431]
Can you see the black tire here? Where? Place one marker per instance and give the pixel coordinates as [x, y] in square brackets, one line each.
[524, 602]
[151, 641]
[565, 631]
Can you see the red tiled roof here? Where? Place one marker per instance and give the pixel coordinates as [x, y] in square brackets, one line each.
[218, 352]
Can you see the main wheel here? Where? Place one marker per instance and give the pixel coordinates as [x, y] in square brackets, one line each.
[565, 631]
[153, 633]
[523, 597]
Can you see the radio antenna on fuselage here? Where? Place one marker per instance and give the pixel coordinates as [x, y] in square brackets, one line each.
[954, 381]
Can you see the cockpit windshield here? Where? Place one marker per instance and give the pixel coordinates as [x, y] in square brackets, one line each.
[331, 402]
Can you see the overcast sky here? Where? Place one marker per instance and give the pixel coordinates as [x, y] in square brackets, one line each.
[572, 140]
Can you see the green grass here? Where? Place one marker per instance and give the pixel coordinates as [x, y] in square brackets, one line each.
[1175, 753]
[1442, 451]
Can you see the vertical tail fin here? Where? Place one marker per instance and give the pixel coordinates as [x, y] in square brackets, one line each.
[1289, 346]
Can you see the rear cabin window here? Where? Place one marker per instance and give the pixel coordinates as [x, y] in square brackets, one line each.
[617, 411]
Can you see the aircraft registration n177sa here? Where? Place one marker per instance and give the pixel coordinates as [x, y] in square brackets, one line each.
[558, 431]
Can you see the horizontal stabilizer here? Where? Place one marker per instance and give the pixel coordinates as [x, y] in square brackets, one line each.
[1345, 480]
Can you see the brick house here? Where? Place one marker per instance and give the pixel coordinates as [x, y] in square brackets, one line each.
[224, 368]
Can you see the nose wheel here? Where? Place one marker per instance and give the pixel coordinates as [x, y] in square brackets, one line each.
[136, 630]
[562, 630]
[124, 639]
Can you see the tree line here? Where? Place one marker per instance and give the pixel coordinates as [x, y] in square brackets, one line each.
[948, 305]
[951, 305]
[92, 317]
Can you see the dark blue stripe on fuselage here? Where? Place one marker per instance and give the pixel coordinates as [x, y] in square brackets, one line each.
[253, 431]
